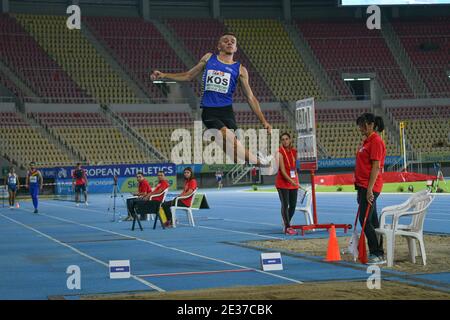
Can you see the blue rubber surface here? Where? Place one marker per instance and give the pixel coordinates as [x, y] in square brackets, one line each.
[37, 249]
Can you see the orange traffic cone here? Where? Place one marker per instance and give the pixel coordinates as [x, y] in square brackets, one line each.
[333, 253]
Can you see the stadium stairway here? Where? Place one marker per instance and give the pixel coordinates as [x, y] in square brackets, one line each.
[184, 55]
[314, 66]
[109, 58]
[16, 84]
[71, 153]
[94, 136]
[23, 142]
[427, 44]
[406, 66]
[276, 58]
[134, 136]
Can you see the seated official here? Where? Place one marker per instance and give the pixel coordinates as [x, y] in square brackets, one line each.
[190, 184]
[143, 189]
[151, 202]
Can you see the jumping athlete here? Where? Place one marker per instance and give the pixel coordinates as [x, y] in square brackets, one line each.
[80, 183]
[220, 77]
[35, 182]
[13, 184]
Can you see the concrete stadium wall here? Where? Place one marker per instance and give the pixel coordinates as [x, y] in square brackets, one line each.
[180, 107]
[416, 102]
[343, 104]
[7, 107]
[61, 107]
[249, 9]
[264, 106]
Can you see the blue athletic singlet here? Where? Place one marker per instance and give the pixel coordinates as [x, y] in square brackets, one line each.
[33, 178]
[219, 83]
[12, 180]
[34, 187]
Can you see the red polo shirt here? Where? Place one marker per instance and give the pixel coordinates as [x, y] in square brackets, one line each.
[289, 158]
[373, 149]
[189, 184]
[80, 181]
[144, 186]
[160, 187]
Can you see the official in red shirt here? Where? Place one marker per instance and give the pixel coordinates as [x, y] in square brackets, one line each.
[151, 202]
[79, 183]
[287, 182]
[369, 182]
[190, 184]
[143, 189]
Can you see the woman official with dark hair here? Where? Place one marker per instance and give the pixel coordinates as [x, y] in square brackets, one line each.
[287, 182]
[368, 180]
[190, 184]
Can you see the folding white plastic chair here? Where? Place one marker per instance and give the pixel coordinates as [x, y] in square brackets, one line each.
[188, 210]
[414, 208]
[306, 209]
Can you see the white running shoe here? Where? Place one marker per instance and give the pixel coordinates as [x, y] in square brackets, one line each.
[77, 204]
[263, 159]
[86, 203]
[268, 166]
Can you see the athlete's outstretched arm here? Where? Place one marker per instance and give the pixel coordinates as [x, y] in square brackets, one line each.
[251, 99]
[183, 76]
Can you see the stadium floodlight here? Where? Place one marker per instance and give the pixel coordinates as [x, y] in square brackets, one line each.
[349, 79]
[363, 79]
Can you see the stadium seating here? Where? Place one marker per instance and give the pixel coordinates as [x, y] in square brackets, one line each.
[139, 47]
[157, 127]
[271, 51]
[21, 143]
[200, 36]
[349, 47]
[432, 63]
[338, 133]
[78, 58]
[426, 128]
[20, 52]
[90, 134]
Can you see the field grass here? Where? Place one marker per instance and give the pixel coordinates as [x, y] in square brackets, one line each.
[387, 188]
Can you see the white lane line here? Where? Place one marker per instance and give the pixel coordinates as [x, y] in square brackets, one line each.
[173, 248]
[148, 284]
[224, 219]
[239, 232]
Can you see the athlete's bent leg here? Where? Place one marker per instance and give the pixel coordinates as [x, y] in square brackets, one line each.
[233, 143]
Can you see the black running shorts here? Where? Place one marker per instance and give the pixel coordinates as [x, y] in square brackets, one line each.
[80, 188]
[219, 117]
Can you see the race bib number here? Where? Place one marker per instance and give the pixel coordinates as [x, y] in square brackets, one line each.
[292, 173]
[217, 81]
[12, 180]
[33, 179]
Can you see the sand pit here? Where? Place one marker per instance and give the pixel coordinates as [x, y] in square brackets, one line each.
[437, 249]
[390, 290]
